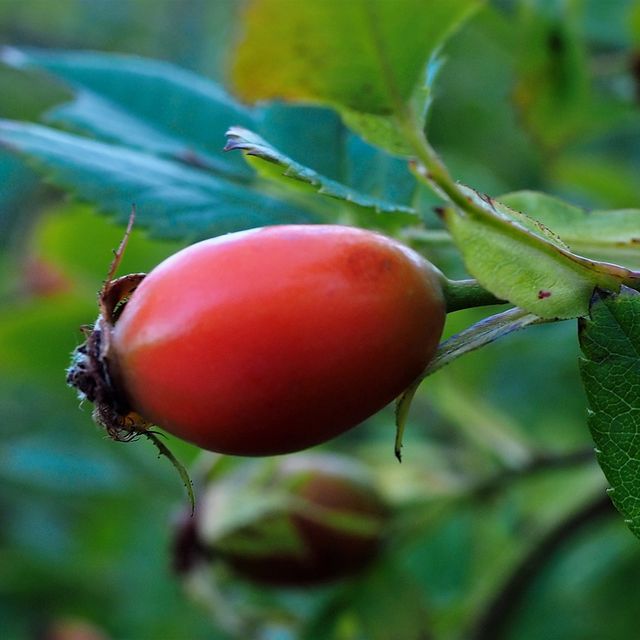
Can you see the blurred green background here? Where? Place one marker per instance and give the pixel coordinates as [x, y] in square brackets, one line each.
[500, 529]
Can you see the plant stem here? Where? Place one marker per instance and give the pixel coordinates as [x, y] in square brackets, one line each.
[426, 237]
[431, 170]
[539, 462]
[464, 294]
[494, 623]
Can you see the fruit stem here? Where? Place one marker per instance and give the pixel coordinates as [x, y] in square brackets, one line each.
[465, 294]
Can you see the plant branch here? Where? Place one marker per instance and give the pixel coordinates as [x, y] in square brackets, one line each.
[432, 171]
[537, 463]
[494, 622]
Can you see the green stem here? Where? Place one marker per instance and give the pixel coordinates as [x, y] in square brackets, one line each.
[461, 294]
[464, 294]
[427, 237]
[430, 169]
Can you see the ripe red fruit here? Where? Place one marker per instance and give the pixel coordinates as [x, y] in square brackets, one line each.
[327, 505]
[270, 340]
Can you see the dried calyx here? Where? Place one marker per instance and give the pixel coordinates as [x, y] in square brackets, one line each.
[91, 370]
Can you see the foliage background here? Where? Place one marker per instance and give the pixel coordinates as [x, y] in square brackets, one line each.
[537, 95]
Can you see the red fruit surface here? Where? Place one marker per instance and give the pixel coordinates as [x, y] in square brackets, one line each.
[276, 339]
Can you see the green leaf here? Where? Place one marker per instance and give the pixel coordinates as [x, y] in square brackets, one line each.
[273, 164]
[607, 235]
[367, 58]
[145, 104]
[518, 259]
[312, 136]
[117, 99]
[386, 131]
[372, 171]
[610, 342]
[363, 55]
[173, 200]
[162, 110]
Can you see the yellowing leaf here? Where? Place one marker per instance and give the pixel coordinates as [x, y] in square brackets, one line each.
[365, 55]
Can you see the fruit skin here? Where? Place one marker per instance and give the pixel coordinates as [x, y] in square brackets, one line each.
[276, 339]
[324, 487]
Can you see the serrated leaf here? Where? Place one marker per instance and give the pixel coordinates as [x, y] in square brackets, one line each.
[363, 55]
[272, 163]
[313, 136]
[166, 110]
[162, 110]
[366, 58]
[610, 343]
[142, 103]
[520, 260]
[173, 200]
[386, 131]
[607, 235]
[372, 171]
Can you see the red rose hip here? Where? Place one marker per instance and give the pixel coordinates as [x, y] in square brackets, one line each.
[275, 339]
